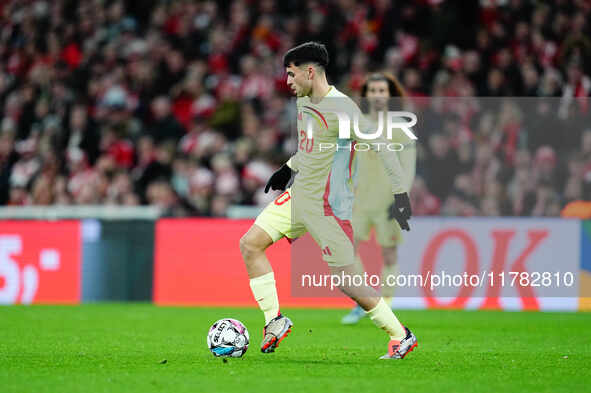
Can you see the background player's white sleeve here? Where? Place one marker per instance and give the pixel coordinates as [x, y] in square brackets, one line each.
[392, 166]
[388, 157]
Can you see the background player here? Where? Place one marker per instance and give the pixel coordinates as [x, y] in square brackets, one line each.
[320, 202]
[373, 197]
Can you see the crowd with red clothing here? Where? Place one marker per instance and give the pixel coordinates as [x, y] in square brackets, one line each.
[183, 103]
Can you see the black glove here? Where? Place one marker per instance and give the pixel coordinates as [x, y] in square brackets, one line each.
[279, 179]
[400, 210]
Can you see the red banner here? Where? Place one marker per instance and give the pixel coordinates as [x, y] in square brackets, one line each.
[39, 262]
[198, 262]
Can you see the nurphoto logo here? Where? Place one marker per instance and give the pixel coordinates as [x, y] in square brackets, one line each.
[395, 120]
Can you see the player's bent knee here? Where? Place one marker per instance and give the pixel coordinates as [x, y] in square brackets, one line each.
[246, 246]
[252, 243]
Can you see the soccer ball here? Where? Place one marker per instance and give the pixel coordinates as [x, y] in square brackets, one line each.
[228, 337]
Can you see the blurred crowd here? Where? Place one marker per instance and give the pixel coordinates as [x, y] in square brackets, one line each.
[183, 103]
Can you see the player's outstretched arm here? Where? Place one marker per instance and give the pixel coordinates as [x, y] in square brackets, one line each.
[400, 210]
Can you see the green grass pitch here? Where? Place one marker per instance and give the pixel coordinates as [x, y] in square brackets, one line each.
[144, 348]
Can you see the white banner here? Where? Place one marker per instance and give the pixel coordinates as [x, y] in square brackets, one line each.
[479, 263]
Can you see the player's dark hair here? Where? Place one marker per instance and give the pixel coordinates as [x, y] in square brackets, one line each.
[308, 52]
[394, 88]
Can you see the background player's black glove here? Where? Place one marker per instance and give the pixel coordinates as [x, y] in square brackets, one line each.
[400, 210]
[279, 179]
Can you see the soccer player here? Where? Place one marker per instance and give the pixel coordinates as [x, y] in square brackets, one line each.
[373, 197]
[320, 201]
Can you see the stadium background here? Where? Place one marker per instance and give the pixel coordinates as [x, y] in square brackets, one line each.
[183, 105]
[135, 139]
[179, 108]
